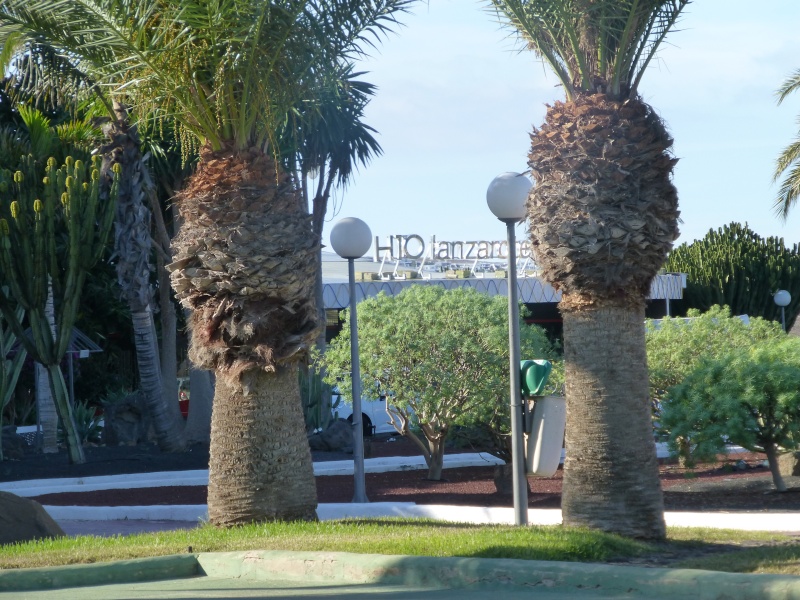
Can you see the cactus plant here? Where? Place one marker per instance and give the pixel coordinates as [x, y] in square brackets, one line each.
[9, 367]
[34, 210]
[735, 267]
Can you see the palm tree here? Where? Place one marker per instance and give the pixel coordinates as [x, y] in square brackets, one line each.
[602, 216]
[43, 72]
[789, 161]
[246, 255]
[230, 76]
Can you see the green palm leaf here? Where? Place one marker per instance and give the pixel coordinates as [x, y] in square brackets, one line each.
[592, 45]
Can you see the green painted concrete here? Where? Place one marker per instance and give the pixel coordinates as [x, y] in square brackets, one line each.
[122, 571]
[330, 574]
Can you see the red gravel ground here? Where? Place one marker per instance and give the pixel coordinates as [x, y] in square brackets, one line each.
[732, 483]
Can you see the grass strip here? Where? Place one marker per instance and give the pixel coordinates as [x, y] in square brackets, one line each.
[414, 537]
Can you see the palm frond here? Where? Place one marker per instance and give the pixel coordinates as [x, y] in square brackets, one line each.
[792, 84]
[592, 45]
[788, 193]
[41, 137]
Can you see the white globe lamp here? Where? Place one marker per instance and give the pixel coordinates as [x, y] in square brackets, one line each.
[351, 238]
[507, 194]
[782, 298]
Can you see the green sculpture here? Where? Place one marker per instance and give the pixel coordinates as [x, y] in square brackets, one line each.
[53, 229]
[533, 376]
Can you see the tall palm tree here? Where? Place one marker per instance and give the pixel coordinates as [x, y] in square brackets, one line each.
[230, 75]
[46, 73]
[247, 252]
[602, 216]
[788, 162]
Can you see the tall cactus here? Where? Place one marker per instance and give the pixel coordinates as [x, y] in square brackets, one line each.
[9, 367]
[736, 267]
[33, 256]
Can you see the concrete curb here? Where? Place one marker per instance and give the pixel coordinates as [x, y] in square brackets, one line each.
[124, 571]
[39, 487]
[200, 477]
[743, 521]
[495, 574]
[433, 572]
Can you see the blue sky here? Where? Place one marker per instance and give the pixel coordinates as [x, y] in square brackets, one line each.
[457, 101]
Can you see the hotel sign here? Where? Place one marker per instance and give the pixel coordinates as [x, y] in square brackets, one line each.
[398, 247]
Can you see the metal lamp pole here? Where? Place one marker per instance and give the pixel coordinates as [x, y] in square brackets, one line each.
[351, 238]
[506, 197]
[782, 298]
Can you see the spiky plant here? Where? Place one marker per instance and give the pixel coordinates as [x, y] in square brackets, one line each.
[58, 70]
[602, 216]
[31, 263]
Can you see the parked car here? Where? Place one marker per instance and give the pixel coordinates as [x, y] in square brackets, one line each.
[373, 413]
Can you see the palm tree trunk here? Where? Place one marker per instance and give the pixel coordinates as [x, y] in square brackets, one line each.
[169, 343]
[260, 463]
[611, 479]
[132, 244]
[169, 320]
[164, 415]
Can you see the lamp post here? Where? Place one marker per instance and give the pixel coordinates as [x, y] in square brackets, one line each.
[782, 298]
[351, 239]
[506, 197]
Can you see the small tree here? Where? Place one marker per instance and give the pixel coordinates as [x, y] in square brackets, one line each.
[676, 347]
[440, 356]
[750, 397]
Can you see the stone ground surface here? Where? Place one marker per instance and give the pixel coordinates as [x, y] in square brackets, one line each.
[736, 483]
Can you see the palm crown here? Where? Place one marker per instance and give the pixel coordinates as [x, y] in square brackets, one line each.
[593, 45]
[228, 72]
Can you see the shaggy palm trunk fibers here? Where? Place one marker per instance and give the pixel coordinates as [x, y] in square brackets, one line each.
[244, 263]
[603, 216]
[260, 467]
[611, 470]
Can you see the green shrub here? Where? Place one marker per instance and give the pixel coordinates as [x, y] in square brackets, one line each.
[440, 356]
[750, 397]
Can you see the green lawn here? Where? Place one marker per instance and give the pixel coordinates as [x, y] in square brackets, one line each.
[724, 550]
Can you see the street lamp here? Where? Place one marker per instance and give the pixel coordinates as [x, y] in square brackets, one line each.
[506, 198]
[782, 298]
[351, 239]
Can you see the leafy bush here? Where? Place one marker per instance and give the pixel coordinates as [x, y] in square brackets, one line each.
[750, 397]
[440, 356]
[676, 347]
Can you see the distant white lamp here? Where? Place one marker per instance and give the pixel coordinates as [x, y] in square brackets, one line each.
[506, 197]
[782, 298]
[351, 239]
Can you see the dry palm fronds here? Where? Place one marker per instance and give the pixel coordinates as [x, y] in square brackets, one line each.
[244, 262]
